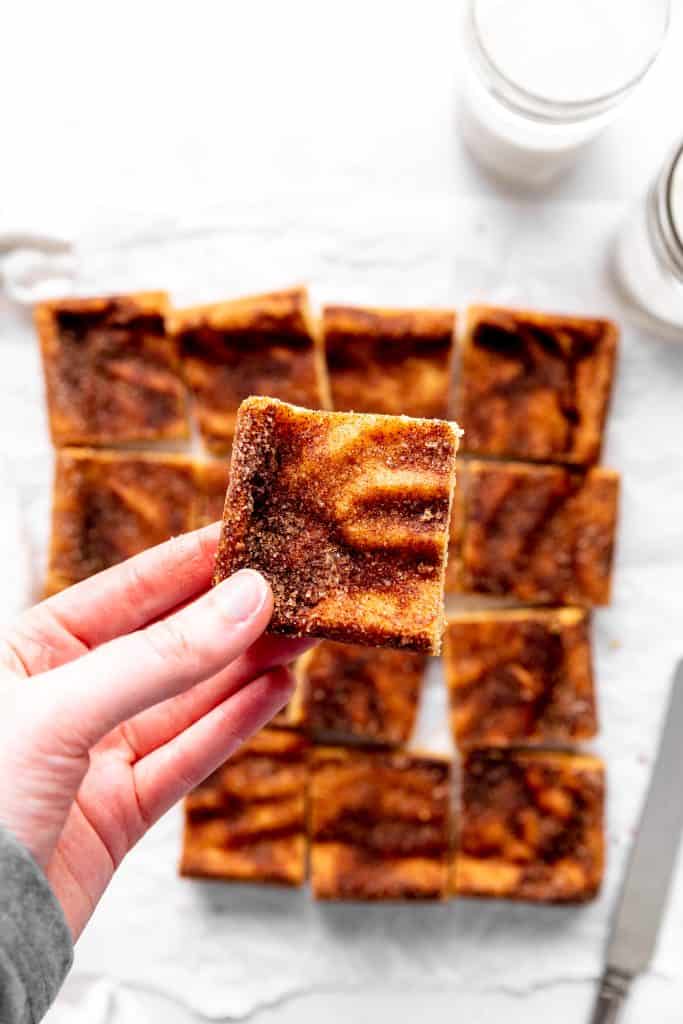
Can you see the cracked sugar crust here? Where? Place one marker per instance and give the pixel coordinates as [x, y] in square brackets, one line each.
[519, 677]
[108, 506]
[379, 825]
[347, 516]
[345, 690]
[260, 345]
[541, 534]
[394, 361]
[530, 826]
[112, 373]
[247, 821]
[535, 385]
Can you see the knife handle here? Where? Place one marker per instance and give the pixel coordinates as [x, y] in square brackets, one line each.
[613, 990]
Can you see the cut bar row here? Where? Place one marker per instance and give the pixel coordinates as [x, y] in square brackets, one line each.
[345, 515]
[523, 385]
[515, 678]
[379, 825]
[533, 534]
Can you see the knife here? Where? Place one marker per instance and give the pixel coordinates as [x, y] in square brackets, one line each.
[648, 875]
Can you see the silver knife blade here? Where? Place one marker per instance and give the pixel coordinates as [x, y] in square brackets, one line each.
[653, 857]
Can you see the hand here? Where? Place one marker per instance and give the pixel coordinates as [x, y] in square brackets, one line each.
[142, 684]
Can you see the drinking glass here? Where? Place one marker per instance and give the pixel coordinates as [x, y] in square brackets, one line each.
[649, 251]
[541, 78]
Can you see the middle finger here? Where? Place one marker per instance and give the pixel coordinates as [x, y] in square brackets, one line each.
[157, 725]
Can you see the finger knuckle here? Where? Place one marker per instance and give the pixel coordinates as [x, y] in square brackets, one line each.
[139, 588]
[171, 644]
[188, 554]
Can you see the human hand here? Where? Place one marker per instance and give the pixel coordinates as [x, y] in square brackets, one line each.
[142, 684]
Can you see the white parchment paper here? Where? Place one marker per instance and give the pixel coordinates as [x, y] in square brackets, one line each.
[226, 950]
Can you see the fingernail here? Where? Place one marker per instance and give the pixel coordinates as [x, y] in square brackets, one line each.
[242, 595]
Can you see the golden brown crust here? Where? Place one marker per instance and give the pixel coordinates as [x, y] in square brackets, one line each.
[394, 361]
[379, 825]
[212, 483]
[518, 677]
[247, 822]
[345, 690]
[112, 373]
[108, 506]
[535, 385]
[541, 534]
[347, 516]
[531, 826]
[259, 345]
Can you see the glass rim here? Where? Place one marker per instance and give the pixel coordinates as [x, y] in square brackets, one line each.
[541, 108]
[673, 237]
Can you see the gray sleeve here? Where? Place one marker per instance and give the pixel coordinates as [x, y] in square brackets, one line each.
[36, 949]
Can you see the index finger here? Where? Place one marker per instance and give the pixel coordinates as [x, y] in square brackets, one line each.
[134, 593]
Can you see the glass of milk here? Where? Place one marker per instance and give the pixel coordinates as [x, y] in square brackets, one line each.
[541, 78]
[649, 252]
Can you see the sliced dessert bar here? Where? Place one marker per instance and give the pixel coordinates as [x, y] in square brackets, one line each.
[345, 690]
[540, 534]
[108, 506]
[520, 676]
[530, 826]
[261, 345]
[535, 385]
[247, 822]
[395, 361]
[379, 825]
[347, 516]
[112, 372]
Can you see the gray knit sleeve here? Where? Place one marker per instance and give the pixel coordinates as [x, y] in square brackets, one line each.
[36, 949]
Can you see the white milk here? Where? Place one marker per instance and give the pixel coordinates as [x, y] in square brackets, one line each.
[529, 59]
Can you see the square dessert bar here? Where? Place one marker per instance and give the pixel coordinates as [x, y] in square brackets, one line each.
[109, 505]
[344, 690]
[530, 826]
[520, 676]
[540, 534]
[112, 373]
[379, 825]
[395, 361]
[534, 385]
[347, 516]
[261, 345]
[247, 821]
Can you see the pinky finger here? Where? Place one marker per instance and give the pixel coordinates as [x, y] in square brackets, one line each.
[171, 771]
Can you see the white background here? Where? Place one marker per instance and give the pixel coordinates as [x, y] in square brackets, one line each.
[214, 148]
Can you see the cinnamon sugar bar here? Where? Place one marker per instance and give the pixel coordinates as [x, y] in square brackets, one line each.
[535, 385]
[364, 693]
[108, 506]
[394, 361]
[112, 372]
[520, 676]
[379, 825]
[260, 345]
[538, 534]
[347, 516]
[247, 822]
[531, 826]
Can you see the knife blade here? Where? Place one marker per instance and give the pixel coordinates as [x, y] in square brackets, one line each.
[644, 893]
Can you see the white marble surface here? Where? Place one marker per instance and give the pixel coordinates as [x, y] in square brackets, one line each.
[228, 147]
